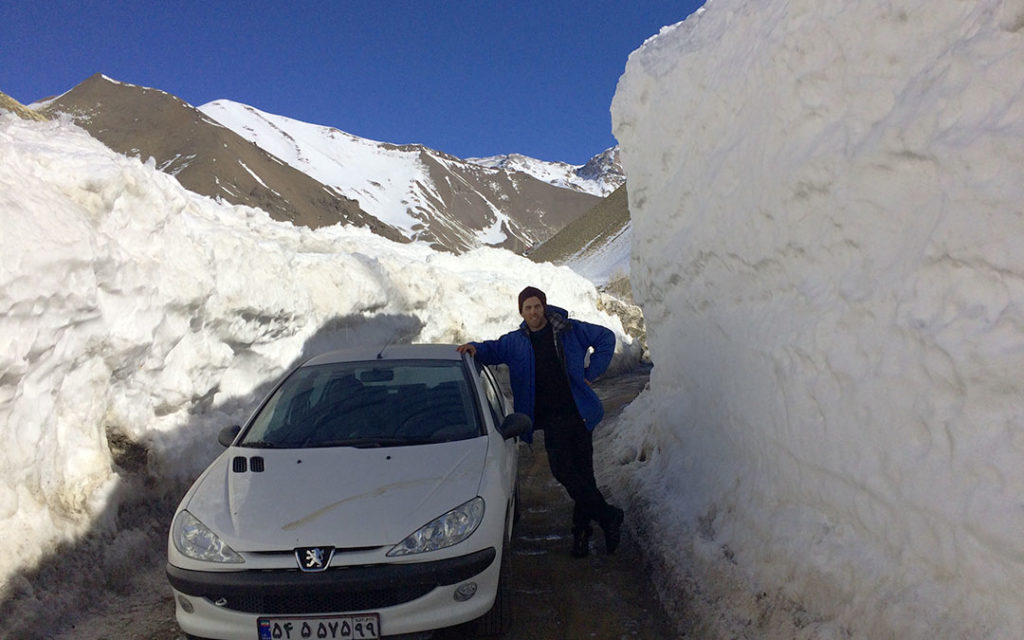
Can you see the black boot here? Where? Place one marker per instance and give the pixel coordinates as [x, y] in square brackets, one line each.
[613, 530]
[581, 541]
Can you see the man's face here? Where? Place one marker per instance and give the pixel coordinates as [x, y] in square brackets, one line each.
[533, 313]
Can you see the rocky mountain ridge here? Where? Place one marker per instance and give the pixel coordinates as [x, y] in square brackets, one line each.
[318, 176]
[204, 156]
[427, 194]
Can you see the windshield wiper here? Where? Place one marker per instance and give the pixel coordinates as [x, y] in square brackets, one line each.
[260, 444]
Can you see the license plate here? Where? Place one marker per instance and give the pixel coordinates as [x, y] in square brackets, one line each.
[361, 627]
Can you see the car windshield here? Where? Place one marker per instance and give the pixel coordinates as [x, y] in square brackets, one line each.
[368, 404]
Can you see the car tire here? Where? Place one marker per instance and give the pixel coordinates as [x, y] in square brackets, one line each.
[499, 619]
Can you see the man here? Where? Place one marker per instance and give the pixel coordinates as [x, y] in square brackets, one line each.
[550, 381]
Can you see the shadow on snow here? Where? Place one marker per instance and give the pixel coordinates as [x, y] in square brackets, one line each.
[130, 534]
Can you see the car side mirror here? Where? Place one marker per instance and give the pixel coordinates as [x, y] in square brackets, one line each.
[227, 435]
[515, 425]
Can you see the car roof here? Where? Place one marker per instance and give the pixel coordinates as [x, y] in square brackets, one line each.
[386, 353]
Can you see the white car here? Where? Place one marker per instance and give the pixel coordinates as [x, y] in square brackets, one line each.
[370, 495]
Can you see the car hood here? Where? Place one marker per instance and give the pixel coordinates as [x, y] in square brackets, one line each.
[340, 496]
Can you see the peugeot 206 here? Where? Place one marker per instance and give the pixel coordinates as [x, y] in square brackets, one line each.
[370, 495]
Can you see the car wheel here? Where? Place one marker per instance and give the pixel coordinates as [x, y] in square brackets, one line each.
[498, 620]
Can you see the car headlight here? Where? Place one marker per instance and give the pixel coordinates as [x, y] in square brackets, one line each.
[451, 528]
[195, 540]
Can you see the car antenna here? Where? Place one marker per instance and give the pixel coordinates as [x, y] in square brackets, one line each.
[391, 340]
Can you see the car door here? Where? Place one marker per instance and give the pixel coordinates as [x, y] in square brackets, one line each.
[498, 406]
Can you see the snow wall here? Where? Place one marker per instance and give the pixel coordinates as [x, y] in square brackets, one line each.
[137, 319]
[828, 208]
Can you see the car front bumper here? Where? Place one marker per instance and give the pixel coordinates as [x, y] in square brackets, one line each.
[408, 597]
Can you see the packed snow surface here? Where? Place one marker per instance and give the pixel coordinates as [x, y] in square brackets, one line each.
[134, 310]
[828, 217]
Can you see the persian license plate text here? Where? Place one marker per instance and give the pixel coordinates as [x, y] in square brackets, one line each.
[362, 627]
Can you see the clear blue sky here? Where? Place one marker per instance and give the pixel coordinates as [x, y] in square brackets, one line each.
[467, 78]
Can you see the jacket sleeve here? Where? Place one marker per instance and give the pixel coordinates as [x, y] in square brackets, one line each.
[602, 339]
[492, 351]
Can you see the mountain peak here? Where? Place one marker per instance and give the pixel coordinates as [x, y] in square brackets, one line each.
[604, 167]
[600, 176]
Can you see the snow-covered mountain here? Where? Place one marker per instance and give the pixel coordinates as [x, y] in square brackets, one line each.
[600, 176]
[426, 194]
[317, 175]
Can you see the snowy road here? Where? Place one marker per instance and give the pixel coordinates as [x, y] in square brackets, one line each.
[559, 597]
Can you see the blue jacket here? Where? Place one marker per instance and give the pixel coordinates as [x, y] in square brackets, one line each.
[573, 340]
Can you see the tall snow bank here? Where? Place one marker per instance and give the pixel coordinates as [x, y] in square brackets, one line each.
[135, 313]
[828, 208]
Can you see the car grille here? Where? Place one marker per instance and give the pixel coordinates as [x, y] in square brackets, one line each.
[336, 590]
[302, 602]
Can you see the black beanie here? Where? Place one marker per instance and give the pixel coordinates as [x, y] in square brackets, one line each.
[531, 292]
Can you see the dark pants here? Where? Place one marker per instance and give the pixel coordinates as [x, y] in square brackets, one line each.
[570, 448]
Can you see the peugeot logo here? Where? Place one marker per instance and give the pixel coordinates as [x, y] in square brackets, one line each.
[314, 558]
